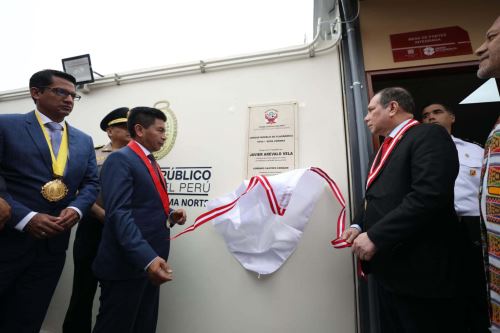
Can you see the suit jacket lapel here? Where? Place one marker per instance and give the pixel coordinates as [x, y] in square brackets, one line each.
[36, 134]
[394, 152]
[396, 143]
[72, 146]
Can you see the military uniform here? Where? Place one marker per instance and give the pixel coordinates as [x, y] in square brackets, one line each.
[88, 236]
[467, 184]
[467, 207]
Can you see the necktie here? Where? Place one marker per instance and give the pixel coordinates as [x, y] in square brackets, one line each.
[385, 144]
[157, 169]
[383, 149]
[55, 132]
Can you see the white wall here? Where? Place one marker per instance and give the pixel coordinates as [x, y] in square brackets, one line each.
[314, 290]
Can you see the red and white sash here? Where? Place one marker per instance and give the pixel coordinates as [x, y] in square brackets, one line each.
[376, 167]
[275, 206]
[160, 184]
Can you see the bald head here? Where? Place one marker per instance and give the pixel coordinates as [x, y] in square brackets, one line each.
[489, 53]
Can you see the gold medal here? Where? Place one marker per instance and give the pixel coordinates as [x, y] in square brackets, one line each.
[54, 190]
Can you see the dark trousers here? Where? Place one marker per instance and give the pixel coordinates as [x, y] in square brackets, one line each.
[27, 284]
[476, 299]
[79, 315]
[128, 306]
[403, 314]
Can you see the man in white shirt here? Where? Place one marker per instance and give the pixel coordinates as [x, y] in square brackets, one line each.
[467, 207]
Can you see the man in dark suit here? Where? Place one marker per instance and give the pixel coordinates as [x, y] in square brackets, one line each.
[50, 171]
[131, 260]
[88, 235]
[406, 231]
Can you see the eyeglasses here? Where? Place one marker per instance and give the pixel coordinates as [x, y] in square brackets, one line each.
[63, 93]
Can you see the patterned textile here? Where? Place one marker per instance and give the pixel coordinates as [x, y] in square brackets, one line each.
[490, 216]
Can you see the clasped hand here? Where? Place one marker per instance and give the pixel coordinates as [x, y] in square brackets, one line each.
[45, 226]
[5, 212]
[362, 246]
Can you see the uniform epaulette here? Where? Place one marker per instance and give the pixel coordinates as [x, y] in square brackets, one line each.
[98, 147]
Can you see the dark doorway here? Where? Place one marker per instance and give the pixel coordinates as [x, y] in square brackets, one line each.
[448, 84]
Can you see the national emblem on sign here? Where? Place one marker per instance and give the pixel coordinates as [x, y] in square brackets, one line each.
[271, 115]
[171, 129]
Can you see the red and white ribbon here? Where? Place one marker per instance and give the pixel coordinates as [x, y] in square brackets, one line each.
[338, 242]
[274, 205]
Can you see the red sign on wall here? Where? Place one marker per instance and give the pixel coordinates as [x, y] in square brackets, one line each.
[434, 43]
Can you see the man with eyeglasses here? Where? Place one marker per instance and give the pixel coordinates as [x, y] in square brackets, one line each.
[51, 175]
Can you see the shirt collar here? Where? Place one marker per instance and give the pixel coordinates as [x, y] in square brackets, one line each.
[46, 119]
[144, 149]
[397, 128]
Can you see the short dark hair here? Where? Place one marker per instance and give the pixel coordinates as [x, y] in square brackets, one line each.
[45, 78]
[397, 94]
[445, 106]
[144, 116]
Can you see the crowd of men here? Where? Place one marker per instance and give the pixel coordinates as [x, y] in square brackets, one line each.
[49, 182]
[417, 230]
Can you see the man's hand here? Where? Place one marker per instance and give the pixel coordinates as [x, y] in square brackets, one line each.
[43, 226]
[68, 218]
[363, 247]
[350, 234]
[98, 212]
[5, 211]
[178, 216]
[159, 271]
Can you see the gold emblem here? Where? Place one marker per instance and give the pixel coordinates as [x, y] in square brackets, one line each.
[54, 190]
[171, 129]
[472, 172]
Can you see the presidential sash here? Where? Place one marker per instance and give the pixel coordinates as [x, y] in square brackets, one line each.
[160, 184]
